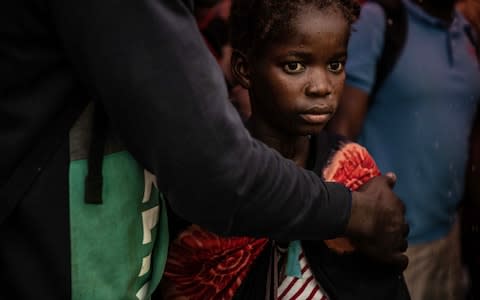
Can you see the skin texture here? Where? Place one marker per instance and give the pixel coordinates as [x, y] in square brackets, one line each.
[296, 84]
[295, 87]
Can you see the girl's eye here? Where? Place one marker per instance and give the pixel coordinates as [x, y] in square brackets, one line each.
[293, 67]
[335, 67]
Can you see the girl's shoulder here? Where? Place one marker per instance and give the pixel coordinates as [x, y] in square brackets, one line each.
[345, 161]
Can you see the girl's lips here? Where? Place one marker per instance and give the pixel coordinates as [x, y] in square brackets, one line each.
[316, 118]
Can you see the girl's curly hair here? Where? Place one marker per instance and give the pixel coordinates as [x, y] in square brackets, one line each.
[256, 22]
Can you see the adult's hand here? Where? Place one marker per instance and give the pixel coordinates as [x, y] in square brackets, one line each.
[377, 224]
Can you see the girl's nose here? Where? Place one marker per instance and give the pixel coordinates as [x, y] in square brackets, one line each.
[318, 85]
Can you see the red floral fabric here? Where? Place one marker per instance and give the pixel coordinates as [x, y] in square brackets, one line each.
[352, 166]
[202, 265]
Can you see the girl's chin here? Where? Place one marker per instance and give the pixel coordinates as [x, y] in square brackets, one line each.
[312, 130]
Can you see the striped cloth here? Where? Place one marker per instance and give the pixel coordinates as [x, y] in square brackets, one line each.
[303, 288]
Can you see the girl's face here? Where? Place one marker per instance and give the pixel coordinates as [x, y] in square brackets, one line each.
[297, 82]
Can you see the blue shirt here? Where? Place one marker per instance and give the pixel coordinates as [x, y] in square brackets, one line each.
[419, 123]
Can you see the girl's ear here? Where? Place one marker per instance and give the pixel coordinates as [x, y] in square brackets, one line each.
[241, 69]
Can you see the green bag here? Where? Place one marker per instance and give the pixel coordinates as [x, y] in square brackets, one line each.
[119, 246]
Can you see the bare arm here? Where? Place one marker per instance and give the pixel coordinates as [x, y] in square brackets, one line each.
[348, 120]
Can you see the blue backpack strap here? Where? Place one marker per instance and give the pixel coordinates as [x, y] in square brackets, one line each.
[394, 40]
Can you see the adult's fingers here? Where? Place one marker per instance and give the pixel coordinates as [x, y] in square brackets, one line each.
[391, 178]
[400, 261]
[406, 230]
[403, 246]
[399, 238]
[402, 208]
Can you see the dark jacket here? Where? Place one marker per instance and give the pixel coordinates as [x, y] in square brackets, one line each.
[147, 65]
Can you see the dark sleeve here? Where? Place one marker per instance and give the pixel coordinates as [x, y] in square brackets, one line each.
[164, 93]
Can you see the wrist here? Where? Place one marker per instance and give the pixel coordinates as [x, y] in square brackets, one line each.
[359, 224]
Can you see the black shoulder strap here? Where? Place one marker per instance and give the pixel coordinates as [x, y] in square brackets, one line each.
[473, 37]
[322, 149]
[394, 40]
[94, 178]
[33, 163]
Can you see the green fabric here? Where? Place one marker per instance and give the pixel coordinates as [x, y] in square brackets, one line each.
[107, 240]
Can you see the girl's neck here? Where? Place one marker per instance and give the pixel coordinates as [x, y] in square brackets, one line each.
[440, 9]
[295, 148]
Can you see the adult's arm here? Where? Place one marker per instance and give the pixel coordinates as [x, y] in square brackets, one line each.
[164, 93]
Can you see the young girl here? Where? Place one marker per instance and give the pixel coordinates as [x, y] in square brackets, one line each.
[290, 55]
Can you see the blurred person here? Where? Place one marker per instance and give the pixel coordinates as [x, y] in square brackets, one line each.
[212, 18]
[290, 55]
[417, 123]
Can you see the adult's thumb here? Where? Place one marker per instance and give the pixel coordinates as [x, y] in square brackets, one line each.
[391, 179]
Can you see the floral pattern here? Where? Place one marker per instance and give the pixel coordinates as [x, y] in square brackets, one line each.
[203, 265]
[352, 166]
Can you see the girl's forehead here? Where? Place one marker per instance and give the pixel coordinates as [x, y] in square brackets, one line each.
[311, 38]
[315, 23]
[274, 20]
[310, 16]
